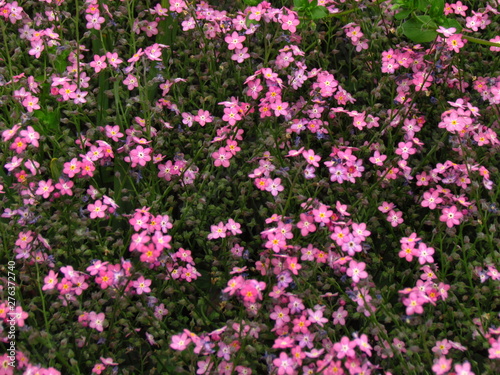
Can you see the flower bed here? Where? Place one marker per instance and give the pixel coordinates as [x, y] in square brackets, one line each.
[249, 188]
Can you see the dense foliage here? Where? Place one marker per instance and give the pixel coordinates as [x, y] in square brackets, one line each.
[249, 187]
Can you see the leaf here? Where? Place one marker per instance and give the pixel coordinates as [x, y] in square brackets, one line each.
[427, 22]
[437, 8]
[252, 2]
[423, 5]
[61, 61]
[403, 14]
[55, 168]
[300, 3]
[48, 120]
[450, 22]
[319, 12]
[418, 31]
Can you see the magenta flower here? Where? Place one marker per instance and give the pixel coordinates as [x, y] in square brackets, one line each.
[131, 82]
[31, 103]
[431, 199]
[405, 149]
[455, 42]
[97, 209]
[140, 156]
[356, 271]
[274, 186]
[344, 348]
[94, 21]
[285, 364]
[180, 342]
[451, 216]
[96, 321]
[280, 315]
[45, 188]
[218, 231]
[275, 242]
[142, 285]
[234, 41]
[395, 218]
[442, 366]
[222, 157]
[414, 303]
[233, 227]
[98, 64]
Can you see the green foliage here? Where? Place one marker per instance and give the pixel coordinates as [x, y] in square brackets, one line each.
[309, 10]
[422, 17]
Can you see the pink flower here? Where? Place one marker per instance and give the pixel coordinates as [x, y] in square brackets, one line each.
[494, 351]
[113, 59]
[414, 303]
[233, 227]
[96, 321]
[289, 23]
[97, 209]
[240, 55]
[455, 42]
[344, 348]
[378, 159]
[451, 216]
[280, 108]
[274, 186]
[442, 366]
[131, 82]
[234, 41]
[311, 158]
[222, 157]
[218, 231]
[285, 364]
[180, 342]
[322, 214]
[463, 369]
[446, 32]
[405, 149]
[306, 224]
[280, 315]
[142, 285]
[31, 103]
[316, 316]
[386, 207]
[50, 281]
[356, 271]
[203, 117]
[45, 188]
[339, 316]
[275, 242]
[395, 218]
[99, 63]
[431, 200]
[139, 156]
[94, 21]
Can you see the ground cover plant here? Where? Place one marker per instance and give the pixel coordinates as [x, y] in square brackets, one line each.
[246, 187]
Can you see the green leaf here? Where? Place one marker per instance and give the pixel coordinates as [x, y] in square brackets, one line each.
[252, 2]
[403, 14]
[437, 8]
[450, 22]
[300, 3]
[49, 120]
[427, 22]
[55, 169]
[418, 31]
[319, 12]
[61, 61]
[423, 5]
